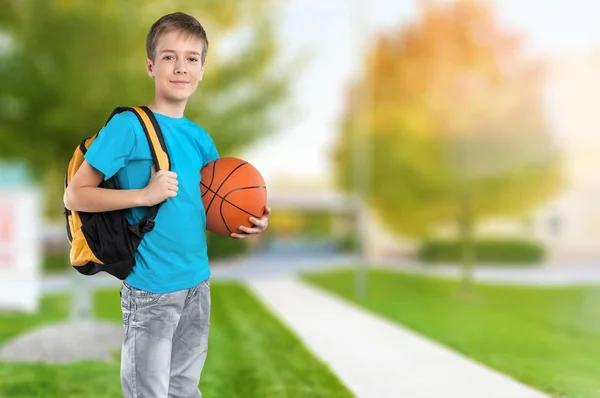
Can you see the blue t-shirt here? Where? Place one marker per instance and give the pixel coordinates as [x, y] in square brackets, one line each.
[173, 256]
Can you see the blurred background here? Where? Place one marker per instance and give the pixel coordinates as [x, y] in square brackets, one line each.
[432, 136]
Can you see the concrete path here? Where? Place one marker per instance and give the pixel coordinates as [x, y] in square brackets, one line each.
[374, 357]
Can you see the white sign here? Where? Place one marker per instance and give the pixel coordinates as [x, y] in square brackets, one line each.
[20, 249]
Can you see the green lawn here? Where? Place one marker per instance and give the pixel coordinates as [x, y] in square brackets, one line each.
[251, 355]
[546, 337]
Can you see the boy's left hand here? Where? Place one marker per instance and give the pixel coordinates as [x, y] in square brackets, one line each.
[260, 226]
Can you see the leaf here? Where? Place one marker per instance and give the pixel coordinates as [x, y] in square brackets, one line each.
[454, 105]
[71, 62]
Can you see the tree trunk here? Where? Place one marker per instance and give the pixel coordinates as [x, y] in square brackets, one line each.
[466, 238]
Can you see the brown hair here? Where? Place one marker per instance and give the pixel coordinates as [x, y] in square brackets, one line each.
[177, 21]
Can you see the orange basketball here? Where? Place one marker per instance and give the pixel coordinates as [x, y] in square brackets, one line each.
[232, 192]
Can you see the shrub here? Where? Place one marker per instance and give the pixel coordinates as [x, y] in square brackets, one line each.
[507, 251]
[220, 247]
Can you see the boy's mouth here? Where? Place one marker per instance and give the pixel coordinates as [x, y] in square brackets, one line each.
[179, 82]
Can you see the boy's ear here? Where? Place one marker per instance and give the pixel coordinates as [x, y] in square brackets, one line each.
[149, 67]
[201, 72]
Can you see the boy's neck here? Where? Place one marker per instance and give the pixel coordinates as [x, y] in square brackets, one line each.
[174, 110]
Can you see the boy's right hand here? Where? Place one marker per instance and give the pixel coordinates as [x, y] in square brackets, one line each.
[162, 186]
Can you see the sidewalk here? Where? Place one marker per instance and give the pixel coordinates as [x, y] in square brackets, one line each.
[376, 358]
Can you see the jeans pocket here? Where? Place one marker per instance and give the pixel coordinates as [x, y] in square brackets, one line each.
[143, 299]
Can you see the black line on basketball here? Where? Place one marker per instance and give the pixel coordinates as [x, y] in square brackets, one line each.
[212, 177]
[206, 191]
[236, 189]
[240, 189]
[223, 182]
[233, 204]
[223, 217]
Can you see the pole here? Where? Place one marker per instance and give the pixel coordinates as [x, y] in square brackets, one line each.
[360, 145]
[81, 297]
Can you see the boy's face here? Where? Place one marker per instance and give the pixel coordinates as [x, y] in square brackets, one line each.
[177, 67]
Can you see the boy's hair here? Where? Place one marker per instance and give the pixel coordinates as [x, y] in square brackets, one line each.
[177, 21]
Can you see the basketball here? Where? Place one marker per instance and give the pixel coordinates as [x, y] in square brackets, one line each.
[232, 191]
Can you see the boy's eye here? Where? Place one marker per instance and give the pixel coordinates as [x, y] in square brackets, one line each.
[168, 57]
[194, 59]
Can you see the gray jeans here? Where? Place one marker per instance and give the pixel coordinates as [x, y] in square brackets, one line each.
[166, 342]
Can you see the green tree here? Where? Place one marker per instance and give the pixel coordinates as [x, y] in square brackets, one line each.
[455, 124]
[64, 65]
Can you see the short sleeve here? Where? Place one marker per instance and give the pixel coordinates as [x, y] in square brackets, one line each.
[210, 150]
[113, 148]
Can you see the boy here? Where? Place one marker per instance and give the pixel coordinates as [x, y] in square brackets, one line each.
[166, 299]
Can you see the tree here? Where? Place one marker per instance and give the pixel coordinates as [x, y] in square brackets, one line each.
[64, 65]
[456, 126]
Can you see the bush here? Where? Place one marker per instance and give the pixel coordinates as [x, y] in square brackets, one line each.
[56, 262]
[349, 244]
[220, 247]
[507, 251]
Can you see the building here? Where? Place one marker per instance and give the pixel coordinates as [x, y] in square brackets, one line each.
[570, 223]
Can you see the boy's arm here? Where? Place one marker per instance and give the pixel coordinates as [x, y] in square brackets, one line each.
[83, 193]
[111, 151]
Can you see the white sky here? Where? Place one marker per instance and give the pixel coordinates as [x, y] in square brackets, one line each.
[322, 29]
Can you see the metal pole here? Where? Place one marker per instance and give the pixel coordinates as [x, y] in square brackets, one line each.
[81, 297]
[360, 145]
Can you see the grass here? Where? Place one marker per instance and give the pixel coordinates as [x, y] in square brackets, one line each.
[56, 263]
[546, 337]
[251, 355]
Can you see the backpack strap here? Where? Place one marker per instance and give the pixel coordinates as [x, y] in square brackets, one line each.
[159, 154]
[153, 134]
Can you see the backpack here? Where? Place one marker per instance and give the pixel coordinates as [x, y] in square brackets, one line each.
[106, 241]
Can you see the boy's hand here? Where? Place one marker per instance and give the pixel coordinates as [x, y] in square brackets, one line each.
[162, 186]
[260, 224]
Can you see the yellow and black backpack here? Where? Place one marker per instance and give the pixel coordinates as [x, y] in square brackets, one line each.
[106, 241]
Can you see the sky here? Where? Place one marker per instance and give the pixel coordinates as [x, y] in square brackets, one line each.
[322, 30]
